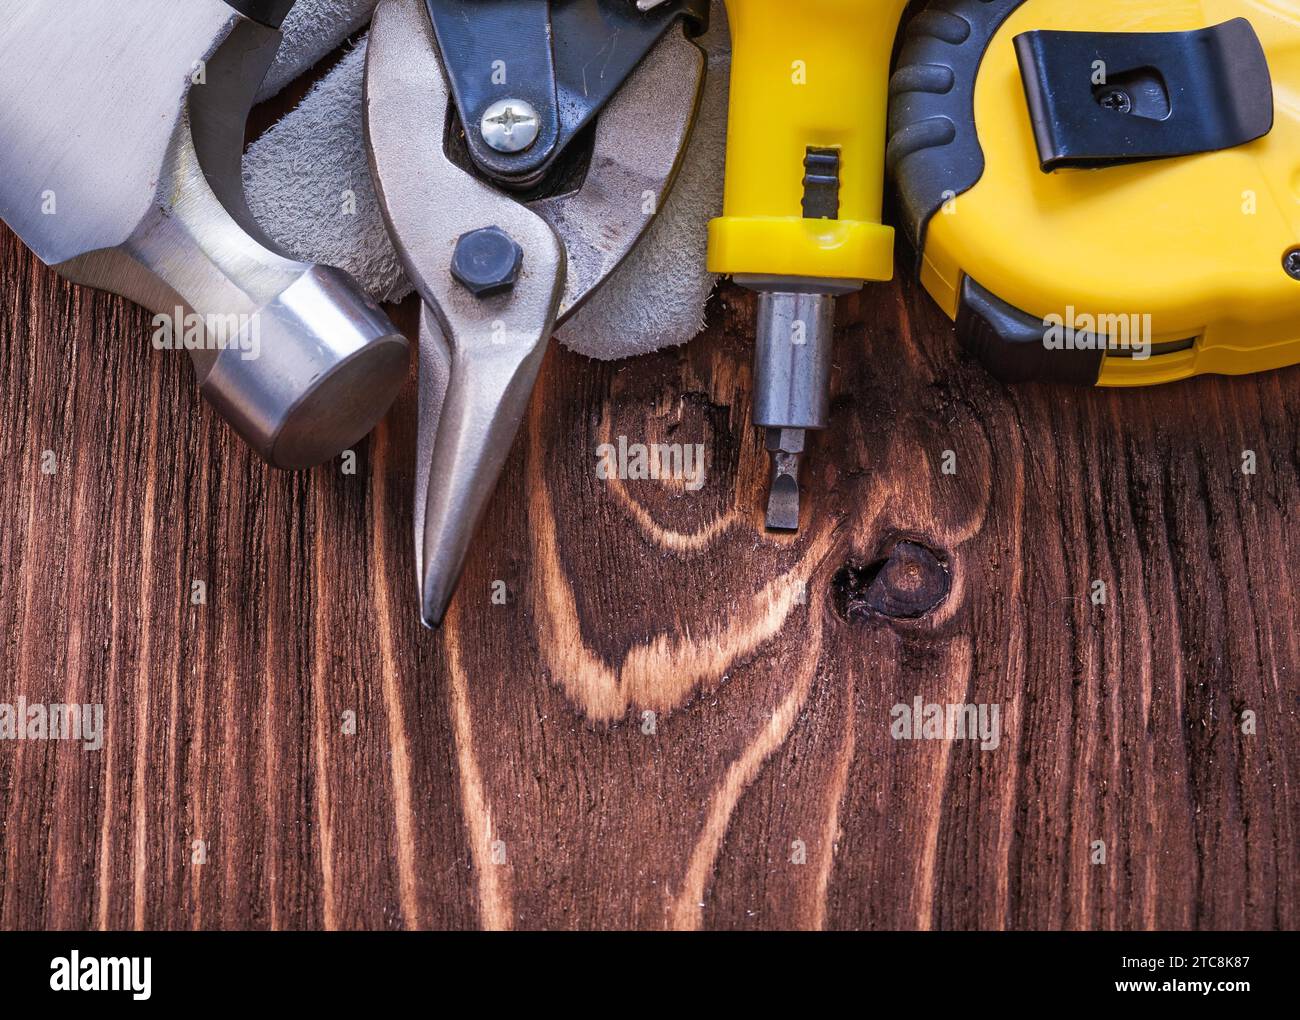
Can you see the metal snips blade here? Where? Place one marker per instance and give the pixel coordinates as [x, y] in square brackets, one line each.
[489, 349]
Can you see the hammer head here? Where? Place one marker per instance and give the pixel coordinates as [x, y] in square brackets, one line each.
[123, 125]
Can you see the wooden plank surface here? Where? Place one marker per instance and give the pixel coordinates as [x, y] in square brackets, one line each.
[504, 772]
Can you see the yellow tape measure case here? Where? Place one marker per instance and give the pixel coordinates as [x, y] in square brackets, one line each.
[1105, 193]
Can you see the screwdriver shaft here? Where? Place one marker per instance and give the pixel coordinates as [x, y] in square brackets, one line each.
[792, 367]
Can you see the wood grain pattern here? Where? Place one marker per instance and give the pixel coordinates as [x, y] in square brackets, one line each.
[501, 775]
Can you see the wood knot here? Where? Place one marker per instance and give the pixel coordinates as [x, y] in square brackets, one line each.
[905, 584]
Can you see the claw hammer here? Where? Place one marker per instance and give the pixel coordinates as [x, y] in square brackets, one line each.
[802, 208]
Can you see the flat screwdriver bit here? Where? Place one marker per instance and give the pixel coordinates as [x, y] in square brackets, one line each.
[786, 449]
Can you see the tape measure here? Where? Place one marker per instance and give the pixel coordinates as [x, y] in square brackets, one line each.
[1105, 192]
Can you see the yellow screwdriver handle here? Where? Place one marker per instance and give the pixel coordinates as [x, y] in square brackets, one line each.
[806, 74]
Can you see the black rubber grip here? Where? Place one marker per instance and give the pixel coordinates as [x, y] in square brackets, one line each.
[934, 152]
[821, 184]
[267, 12]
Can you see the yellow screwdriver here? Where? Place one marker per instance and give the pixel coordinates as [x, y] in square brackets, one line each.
[801, 217]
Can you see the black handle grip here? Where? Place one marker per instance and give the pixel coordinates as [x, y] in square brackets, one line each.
[267, 12]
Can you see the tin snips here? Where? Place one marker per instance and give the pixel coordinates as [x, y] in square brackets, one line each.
[520, 149]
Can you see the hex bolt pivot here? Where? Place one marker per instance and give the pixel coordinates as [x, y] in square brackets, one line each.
[486, 261]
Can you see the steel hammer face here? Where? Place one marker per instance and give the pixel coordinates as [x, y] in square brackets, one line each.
[122, 127]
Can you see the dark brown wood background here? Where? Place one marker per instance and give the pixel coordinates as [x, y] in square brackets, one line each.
[501, 775]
